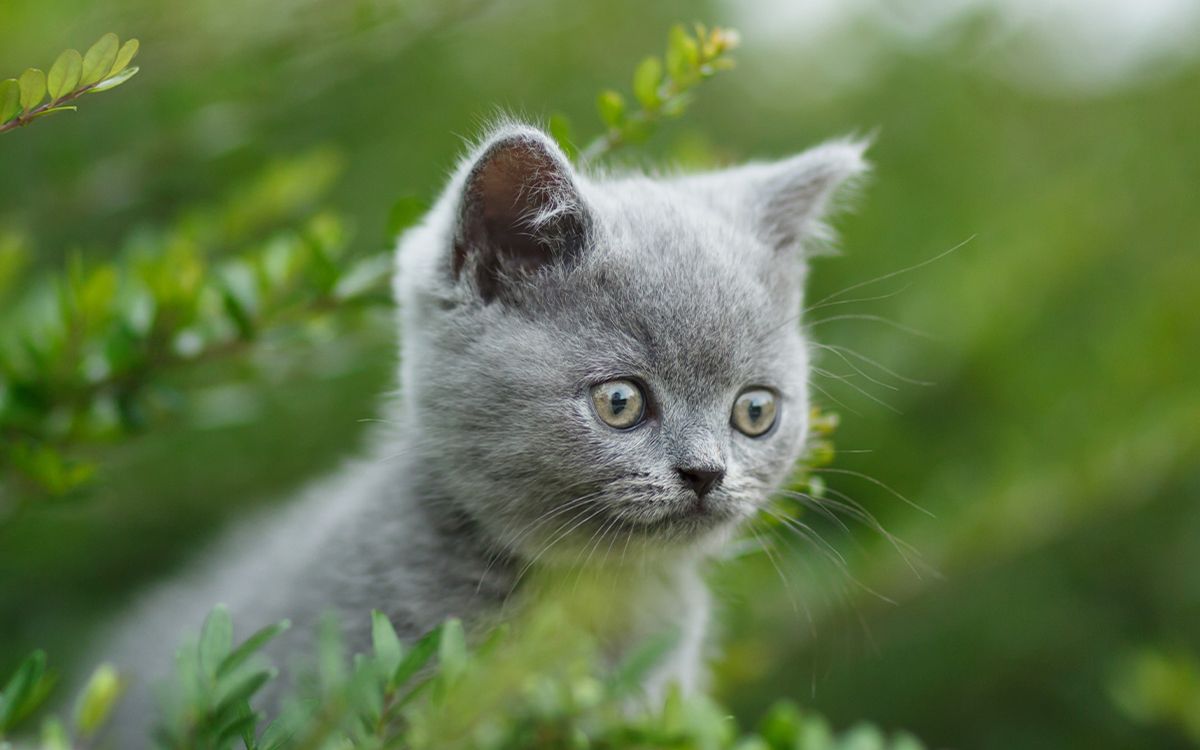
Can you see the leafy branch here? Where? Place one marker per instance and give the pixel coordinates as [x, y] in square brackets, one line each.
[662, 91]
[539, 685]
[105, 66]
[83, 356]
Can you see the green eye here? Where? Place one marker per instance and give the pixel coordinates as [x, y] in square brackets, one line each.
[619, 403]
[754, 412]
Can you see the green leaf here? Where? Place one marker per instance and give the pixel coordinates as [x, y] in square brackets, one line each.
[54, 736]
[388, 649]
[906, 741]
[682, 54]
[638, 663]
[10, 99]
[863, 737]
[611, 106]
[240, 726]
[33, 88]
[368, 274]
[452, 650]
[417, 657]
[65, 73]
[99, 59]
[117, 80]
[128, 50]
[96, 702]
[216, 639]
[18, 695]
[250, 646]
[54, 111]
[646, 80]
[240, 690]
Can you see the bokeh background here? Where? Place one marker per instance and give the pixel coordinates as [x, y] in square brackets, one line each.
[1053, 438]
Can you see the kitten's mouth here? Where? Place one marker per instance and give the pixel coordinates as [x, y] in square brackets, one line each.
[679, 518]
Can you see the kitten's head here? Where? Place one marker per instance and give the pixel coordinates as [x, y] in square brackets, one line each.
[606, 360]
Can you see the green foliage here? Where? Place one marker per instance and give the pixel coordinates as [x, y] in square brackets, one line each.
[105, 66]
[1155, 687]
[660, 93]
[82, 356]
[536, 686]
[31, 686]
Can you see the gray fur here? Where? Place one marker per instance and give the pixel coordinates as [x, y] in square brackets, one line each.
[691, 284]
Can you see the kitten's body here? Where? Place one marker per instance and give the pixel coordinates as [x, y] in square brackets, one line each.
[525, 285]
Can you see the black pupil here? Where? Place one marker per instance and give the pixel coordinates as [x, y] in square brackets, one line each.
[620, 399]
[755, 409]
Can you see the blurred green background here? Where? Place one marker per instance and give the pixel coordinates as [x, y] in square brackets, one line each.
[1057, 446]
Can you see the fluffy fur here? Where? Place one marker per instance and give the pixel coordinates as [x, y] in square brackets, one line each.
[527, 284]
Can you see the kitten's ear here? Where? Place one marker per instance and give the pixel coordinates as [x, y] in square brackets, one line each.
[520, 211]
[788, 201]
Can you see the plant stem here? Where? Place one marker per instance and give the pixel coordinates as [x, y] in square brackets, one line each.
[25, 118]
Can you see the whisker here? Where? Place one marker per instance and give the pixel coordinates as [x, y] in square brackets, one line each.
[806, 532]
[859, 370]
[856, 300]
[873, 318]
[787, 584]
[875, 363]
[855, 510]
[809, 533]
[876, 482]
[595, 512]
[858, 388]
[536, 523]
[833, 398]
[894, 274]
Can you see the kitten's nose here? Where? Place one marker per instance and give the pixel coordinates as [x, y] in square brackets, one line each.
[700, 480]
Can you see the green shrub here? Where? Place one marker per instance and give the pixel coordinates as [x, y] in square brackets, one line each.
[538, 685]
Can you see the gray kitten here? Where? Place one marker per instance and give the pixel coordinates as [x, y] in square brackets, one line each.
[590, 362]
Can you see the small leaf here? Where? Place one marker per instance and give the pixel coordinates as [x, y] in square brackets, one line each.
[452, 650]
[240, 726]
[10, 99]
[682, 54]
[646, 80]
[638, 663]
[33, 88]
[367, 275]
[117, 80]
[611, 106]
[54, 736]
[906, 741]
[242, 689]
[388, 649]
[54, 111]
[216, 639]
[99, 59]
[251, 646]
[128, 50]
[65, 73]
[420, 654]
[18, 694]
[97, 700]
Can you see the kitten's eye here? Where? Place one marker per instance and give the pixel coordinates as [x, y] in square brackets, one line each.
[754, 412]
[619, 403]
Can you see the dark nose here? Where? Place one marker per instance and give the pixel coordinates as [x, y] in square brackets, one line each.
[700, 480]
